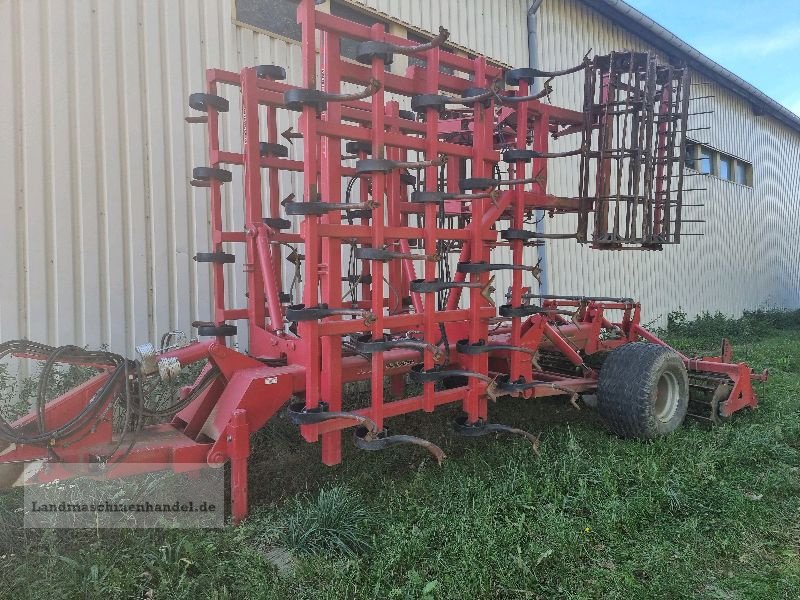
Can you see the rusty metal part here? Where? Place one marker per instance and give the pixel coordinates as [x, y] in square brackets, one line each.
[480, 428]
[375, 441]
[633, 151]
[364, 344]
[369, 50]
[299, 313]
[707, 394]
[296, 98]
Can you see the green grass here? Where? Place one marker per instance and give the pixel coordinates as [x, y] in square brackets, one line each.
[705, 513]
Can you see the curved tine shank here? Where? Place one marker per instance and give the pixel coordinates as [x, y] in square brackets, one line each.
[523, 181]
[493, 194]
[530, 351]
[374, 86]
[492, 92]
[533, 439]
[514, 99]
[436, 162]
[550, 74]
[440, 39]
[437, 452]
[361, 420]
[435, 351]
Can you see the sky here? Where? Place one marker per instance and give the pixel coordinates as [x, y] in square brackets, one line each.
[758, 40]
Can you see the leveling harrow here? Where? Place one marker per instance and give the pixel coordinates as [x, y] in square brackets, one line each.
[394, 281]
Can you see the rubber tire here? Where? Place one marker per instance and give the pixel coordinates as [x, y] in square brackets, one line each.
[626, 391]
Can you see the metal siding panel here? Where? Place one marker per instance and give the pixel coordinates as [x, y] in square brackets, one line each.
[178, 195]
[482, 25]
[60, 150]
[35, 171]
[87, 200]
[135, 195]
[113, 295]
[12, 309]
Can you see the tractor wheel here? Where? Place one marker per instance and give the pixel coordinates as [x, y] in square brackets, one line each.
[643, 391]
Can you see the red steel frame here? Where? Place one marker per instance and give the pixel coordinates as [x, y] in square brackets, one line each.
[215, 428]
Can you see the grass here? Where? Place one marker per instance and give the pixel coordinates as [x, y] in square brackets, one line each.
[705, 513]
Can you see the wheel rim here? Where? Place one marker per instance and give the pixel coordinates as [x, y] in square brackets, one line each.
[667, 397]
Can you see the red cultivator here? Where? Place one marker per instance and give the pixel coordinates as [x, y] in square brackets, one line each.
[398, 242]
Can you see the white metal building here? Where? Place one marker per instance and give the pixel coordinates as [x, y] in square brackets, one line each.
[100, 225]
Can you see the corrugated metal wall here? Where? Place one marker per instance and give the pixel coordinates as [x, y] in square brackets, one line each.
[748, 256]
[495, 28]
[99, 224]
[97, 219]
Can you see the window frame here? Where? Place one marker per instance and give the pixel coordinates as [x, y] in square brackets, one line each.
[716, 158]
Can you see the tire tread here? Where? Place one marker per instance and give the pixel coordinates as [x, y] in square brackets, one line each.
[626, 384]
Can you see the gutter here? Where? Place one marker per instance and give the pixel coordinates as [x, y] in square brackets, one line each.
[533, 62]
[666, 41]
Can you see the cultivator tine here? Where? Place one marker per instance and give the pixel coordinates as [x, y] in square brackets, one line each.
[364, 344]
[366, 436]
[373, 442]
[300, 415]
[368, 51]
[297, 98]
[480, 428]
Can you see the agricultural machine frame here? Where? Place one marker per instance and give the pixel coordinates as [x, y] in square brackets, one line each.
[397, 282]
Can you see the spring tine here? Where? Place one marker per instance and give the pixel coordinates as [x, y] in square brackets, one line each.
[533, 439]
[370, 441]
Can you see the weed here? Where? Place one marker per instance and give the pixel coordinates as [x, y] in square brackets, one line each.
[335, 522]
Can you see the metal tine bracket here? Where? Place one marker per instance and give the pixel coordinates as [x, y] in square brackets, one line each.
[368, 51]
[298, 98]
[299, 312]
[366, 436]
[364, 344]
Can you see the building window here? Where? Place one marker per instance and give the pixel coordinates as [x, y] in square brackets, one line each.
[691, 155]
[706, 161]
[275, 16]
[744, 173]
[726, 167]
[709, 161]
